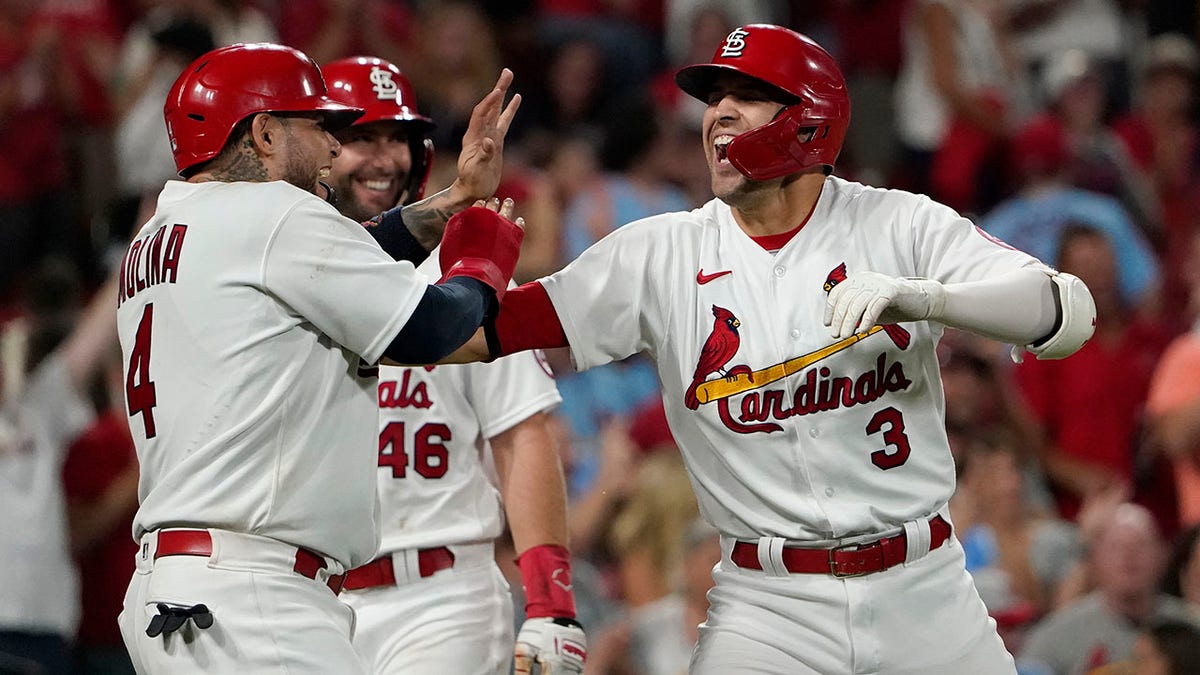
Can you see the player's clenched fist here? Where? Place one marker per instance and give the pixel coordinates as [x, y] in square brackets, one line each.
[867, 298]
[550, 647]
[482, 243]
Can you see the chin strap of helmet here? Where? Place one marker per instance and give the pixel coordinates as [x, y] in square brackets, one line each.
[419, 175]
[330, 193]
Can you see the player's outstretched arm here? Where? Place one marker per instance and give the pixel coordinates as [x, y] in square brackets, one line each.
[477, 257]
[479, 166]
[1050, 313]
[535, 501]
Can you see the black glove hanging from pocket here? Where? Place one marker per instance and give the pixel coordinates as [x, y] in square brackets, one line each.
[171, 619]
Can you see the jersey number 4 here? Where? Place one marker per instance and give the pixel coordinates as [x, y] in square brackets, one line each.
[431, 459]
[140, 397]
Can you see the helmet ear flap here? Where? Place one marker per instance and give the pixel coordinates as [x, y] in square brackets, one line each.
[766, 152]
[418, 176]
[785, 145]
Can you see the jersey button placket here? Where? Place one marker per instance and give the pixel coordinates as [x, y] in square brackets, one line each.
[779, 271]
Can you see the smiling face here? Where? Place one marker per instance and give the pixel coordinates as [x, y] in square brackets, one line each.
[308, 151]
[373, 168]
[736, 104]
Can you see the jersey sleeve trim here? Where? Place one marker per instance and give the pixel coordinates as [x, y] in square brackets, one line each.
[545, 402]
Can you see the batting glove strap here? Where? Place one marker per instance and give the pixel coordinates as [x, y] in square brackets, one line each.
[550, 646]
[483, 245]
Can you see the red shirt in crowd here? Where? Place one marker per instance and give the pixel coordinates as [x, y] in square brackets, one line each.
[94, 461]
[1091, 405]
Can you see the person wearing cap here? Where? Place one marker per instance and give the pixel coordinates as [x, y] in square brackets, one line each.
[451, 611]
[1093, 158]
[252, 316]
[793, 322]
[1162, 138]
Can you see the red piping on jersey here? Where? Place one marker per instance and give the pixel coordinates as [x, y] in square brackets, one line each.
[527, 320]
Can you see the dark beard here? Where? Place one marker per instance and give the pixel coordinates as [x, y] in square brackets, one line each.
[348, 203]
[302, 175]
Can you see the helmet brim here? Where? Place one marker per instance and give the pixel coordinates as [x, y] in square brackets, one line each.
[334, 116]
[338, 116]
[418, 125]
[698, 81]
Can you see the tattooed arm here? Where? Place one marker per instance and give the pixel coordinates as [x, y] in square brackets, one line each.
[479, 166]
[426, 219]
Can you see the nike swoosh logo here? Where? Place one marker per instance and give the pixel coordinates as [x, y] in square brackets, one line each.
[702, 278]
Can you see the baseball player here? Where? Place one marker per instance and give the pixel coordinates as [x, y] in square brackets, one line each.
[251, 315]
[793, 322]
[434, 600]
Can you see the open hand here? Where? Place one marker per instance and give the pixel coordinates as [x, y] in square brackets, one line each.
[482, 158]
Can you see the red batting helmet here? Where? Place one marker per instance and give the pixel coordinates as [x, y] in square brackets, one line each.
[227, 85]
[379, 87]
[809, 131]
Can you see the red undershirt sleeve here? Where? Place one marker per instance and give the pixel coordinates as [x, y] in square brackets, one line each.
[526, 320]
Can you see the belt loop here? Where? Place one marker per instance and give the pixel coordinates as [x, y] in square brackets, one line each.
[770, 556]
[917, 540]
[410, 570]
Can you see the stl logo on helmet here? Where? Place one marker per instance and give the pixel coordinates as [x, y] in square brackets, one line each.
[734, 43]
[383, 84]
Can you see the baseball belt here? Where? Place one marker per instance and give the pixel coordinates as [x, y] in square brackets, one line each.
[853, 560]
[381, 572]
[199, 543]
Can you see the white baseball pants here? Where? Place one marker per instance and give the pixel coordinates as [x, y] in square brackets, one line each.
[921, 617]
[459, 620]
[266, 617]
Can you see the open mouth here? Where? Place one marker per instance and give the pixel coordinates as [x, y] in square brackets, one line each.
[721, 148]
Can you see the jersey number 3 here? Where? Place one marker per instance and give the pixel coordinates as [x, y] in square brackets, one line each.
[891, 423]
[140, 397]
[430, 457]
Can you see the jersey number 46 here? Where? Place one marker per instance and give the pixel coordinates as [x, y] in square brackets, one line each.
[431, 459]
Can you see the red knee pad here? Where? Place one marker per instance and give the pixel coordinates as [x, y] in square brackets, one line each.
[482, 245]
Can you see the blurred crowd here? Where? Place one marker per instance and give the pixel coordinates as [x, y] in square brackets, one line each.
[1066, 128]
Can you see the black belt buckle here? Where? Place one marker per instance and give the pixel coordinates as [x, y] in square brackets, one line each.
[171, 618]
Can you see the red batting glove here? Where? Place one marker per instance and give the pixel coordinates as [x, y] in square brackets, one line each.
[482, 245]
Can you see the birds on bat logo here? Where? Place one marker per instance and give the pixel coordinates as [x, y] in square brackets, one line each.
[818, 388]
[720, 347]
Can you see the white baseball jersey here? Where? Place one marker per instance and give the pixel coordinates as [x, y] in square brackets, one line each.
[434, 423]
[244, 310]
[851, 443]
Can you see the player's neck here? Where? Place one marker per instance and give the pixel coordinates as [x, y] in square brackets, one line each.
[781, 210]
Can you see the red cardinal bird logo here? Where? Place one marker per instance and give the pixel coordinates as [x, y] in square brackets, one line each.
[718, 349]
[898, 334]
[837, 276]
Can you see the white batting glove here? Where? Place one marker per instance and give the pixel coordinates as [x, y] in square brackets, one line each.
[548, 646]
[867, 298]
